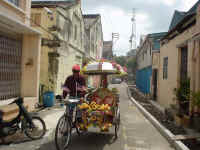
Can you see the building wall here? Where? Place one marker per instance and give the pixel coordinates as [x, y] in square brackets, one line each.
[54, 70]
[94, 46]
[30, 73]
[144, 56]
[18, 19]
[144, 70]
[155, 60]
[41, 20]
[107, 50]
[20, 13]
[98, 44]
[96, 40]
[72, 51]
[172, 51]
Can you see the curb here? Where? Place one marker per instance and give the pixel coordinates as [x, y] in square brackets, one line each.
[165, 132]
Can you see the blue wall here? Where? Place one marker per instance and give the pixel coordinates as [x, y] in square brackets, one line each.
[143, 77]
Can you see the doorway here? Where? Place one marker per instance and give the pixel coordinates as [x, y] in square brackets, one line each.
[155, 83]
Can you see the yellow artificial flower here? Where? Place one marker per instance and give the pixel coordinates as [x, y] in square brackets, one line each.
[93, 103]
[110, 125]
[94, 107]
[102, 107]
[93, 118]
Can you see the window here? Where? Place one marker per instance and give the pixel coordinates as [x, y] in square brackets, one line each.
[150, 49]
[35, 19]
[184, 63]
[75, 32]
[10, 68]
[165, 68]
[16, 2]
[65, 30]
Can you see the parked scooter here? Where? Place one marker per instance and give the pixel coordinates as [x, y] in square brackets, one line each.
[33, 126]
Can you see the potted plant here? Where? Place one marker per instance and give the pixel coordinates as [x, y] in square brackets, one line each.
[195, 96]
[182, 96]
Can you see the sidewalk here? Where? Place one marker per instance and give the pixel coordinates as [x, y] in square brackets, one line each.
[137, 131]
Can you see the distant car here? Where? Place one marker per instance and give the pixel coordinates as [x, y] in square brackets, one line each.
[116, 81]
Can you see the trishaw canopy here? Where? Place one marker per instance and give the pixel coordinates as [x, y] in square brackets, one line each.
[103, 67]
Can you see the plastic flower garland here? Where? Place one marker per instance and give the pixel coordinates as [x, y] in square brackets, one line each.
[93, 115]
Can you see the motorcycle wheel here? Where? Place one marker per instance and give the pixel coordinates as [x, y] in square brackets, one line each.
[36, 129]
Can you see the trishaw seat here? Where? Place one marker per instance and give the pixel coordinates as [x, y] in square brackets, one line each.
[72, 101]
[104, 96]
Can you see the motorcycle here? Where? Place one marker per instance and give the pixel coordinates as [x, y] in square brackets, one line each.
[32, 126]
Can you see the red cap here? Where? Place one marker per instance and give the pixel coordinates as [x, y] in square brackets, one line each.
[76, 68]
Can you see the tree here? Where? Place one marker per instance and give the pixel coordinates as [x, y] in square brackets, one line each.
[120, 60]
[132, 66]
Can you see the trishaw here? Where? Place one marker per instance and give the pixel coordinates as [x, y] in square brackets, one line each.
[99, 108]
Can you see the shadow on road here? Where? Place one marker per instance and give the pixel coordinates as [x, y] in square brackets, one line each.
[89, 141]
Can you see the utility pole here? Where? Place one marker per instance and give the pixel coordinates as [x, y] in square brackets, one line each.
[133, 33]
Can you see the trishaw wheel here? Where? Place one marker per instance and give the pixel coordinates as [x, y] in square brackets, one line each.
[63, 133]
[117, 125]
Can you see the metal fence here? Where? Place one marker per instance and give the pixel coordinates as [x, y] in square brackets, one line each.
[10, 68]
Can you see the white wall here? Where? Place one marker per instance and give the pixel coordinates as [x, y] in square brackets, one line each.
[144, 56]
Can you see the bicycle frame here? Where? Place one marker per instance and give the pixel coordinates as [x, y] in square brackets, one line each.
[69, 113]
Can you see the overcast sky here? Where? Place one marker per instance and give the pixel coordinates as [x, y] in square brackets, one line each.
[151, 16]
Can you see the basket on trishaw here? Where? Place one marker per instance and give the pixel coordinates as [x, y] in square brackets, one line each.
[99, 109]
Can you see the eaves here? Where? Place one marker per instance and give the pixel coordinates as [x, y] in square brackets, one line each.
[184, 24]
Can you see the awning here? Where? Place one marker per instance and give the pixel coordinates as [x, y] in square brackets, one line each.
[11, 24]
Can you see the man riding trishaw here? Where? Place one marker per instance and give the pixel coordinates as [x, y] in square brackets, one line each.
[98, 109]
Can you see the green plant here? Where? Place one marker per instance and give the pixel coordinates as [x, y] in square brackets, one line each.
[115, 90]
[183, 92]
[183, 96]
[195, 96]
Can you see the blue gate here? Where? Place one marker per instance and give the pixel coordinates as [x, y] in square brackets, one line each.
[143, 79]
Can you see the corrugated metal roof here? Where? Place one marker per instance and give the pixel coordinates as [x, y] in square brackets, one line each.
[194, 7]
[156, 37]
[177, 17]
[178, 22]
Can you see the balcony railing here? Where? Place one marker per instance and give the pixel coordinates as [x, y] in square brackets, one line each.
[19, 3]
[16, 2]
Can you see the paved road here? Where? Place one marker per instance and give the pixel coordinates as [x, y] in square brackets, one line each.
[136, 133]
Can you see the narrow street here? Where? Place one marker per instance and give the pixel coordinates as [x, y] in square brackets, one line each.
[136, 133]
